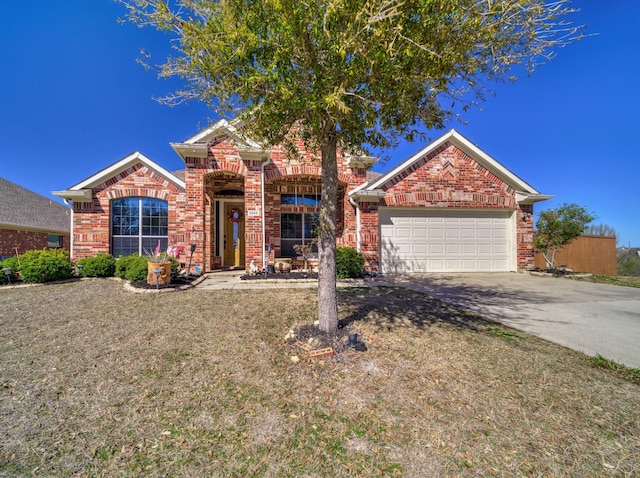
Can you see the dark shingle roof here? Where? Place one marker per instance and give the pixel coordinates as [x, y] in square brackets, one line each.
[372, 176]
[179, 174]
[25, 209]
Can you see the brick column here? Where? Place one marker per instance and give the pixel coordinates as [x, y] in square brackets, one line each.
[193, 219]
[253, 213]
[524, 227]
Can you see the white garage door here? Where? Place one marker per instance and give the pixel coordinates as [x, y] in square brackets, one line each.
[422, 240]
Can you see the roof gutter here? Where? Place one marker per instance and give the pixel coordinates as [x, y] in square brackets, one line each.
[75, 195]
[529, 198]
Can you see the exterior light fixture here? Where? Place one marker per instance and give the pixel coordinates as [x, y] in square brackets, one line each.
[157, 272]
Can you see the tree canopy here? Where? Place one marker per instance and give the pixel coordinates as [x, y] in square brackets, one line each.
[558, 227]
[355, 73]
[373, 70]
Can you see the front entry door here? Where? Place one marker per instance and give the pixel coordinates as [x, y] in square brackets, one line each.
[233, 235]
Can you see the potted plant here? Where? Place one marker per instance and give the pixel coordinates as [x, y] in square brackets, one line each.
[305, 251]
[158, 267]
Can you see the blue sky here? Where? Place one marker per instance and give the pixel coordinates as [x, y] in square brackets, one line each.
[74, 100]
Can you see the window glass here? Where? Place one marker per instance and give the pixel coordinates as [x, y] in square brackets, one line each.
[311, 200]
[137, 224]
[290, 199]
[54, 241]
[296, 228]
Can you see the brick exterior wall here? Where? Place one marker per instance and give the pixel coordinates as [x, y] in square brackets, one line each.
[224, 169]
[26, 241]
[91, 220]
[447, 178]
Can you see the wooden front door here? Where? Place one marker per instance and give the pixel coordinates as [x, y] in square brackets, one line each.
[233, 235]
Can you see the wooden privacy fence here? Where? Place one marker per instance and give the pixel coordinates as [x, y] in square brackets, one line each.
[594, 254]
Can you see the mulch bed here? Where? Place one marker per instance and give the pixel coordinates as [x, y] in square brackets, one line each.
[281, 276]
[142, 284]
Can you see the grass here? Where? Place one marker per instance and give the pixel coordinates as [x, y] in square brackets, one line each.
[628, 281]
[97, 381]
[627, 373]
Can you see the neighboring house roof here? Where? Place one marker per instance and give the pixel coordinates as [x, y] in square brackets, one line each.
[81, 192]
[21, 208]
[525, 194]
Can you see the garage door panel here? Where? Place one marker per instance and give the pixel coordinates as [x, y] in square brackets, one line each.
[468, 249]
[420, 233]
[436, 233]
[453, 248]
[420, 248]
[420, 240]
[452, 233]
[436, 248]
[468, 233]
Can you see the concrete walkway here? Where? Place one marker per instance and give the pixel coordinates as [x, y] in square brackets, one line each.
[591, 318]
[231, 280]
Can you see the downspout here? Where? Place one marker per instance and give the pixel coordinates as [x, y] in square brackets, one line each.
[69, 203]
[265, 261]
[355, 204]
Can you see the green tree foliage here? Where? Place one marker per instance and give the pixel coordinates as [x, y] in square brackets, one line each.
[353, 74]
[102, 265]
[558, 227]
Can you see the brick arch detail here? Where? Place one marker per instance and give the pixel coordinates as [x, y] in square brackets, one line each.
[224, 164]
[302, 170]
[138, 192]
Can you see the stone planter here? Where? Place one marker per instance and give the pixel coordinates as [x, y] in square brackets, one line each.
[165, 275]
[282, 265]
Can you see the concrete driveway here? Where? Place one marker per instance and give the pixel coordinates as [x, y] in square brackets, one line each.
[592, 318]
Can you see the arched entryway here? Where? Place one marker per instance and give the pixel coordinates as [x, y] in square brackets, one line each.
[226, 220]
[233, 237]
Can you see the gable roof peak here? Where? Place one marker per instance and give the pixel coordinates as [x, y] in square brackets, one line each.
[461, 142]
[82, 190]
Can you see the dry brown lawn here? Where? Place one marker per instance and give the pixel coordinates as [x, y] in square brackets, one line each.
[98, 381]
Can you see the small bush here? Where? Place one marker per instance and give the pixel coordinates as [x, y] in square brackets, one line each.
[102, 265]
[11, 263]
[175, 268]
[132, 268]
[349, 263]
[45, 265]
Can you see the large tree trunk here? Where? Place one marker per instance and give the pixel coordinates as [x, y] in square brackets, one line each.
[327, 296]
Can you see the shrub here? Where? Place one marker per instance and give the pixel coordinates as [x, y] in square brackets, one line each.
[175, 268]
[11, 263]
[349, 263]
[102, 265]
[45, 265]
[132, 268]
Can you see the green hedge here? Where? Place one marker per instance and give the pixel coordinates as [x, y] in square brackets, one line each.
[102, 265]
[349, 263]
[11, 263]
[45, 265]
[132, 268]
